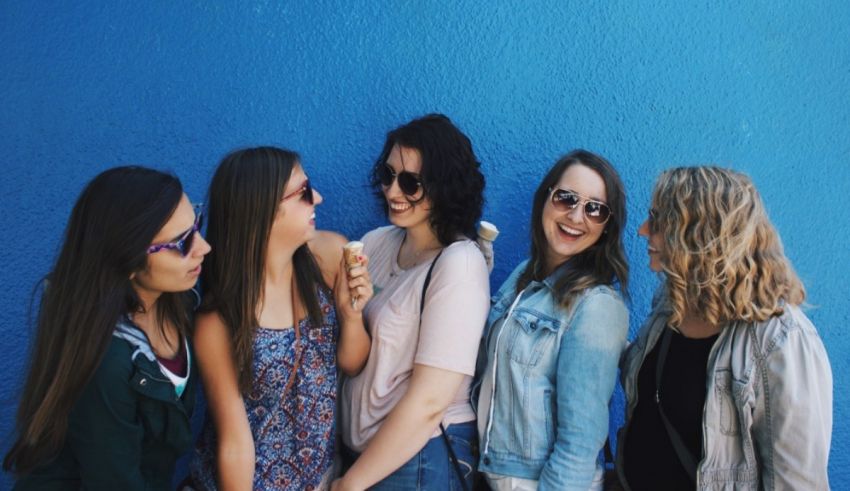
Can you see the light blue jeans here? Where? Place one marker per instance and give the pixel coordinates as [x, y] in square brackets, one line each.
[431, 469]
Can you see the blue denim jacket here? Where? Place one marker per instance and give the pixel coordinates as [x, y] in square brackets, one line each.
[554, 376]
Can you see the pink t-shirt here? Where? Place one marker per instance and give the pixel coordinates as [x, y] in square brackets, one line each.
[456, 306]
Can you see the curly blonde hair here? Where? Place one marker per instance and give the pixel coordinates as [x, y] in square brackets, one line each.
[722, 257]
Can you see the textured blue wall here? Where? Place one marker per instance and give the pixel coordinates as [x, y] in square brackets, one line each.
[761, 87]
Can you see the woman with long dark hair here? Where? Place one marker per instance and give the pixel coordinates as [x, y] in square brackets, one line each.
[272, 334]
[555, 332]
[111, 385]
[728, 384]
[408, 410]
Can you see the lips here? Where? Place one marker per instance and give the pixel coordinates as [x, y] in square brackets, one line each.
[396, 207]
[195, 271]
[569, 232]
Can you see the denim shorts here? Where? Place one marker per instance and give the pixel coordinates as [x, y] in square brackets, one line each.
[431, 469]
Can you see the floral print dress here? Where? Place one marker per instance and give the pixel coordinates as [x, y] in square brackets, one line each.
[293, 432]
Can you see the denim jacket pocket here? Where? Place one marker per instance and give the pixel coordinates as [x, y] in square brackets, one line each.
[532, 337]
[723, 392]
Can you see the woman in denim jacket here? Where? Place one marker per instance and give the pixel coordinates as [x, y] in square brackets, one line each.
[726, 356]
[555, 332]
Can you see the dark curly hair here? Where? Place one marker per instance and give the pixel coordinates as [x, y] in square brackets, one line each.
[451, 174]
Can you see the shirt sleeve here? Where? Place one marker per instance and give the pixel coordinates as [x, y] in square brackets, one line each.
[104, 433]
[456, 306]
[792, 421]
[587, 372]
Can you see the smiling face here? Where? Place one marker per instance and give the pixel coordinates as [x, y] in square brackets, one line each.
[655, 246]
[167, 270]
[570, 232]
[295, 220]
[402, 213]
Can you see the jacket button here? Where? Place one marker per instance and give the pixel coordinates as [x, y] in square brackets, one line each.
[144, 381]
[486, 460]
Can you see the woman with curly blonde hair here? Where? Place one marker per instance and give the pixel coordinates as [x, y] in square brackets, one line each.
[728, 383]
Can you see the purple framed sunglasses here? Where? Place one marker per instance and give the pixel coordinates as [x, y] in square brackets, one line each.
[183, 244]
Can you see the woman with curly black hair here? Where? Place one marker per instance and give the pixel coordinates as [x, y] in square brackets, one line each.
[411, 401]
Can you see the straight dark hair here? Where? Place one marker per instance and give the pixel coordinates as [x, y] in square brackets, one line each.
[451, 174]
[111, 226]
[242, 202]
[604, 262]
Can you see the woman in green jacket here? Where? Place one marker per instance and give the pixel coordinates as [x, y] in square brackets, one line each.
[111, 384]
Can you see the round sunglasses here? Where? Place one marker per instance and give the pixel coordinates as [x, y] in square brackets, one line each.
[184, 243]
[408, 182]
[595, 211]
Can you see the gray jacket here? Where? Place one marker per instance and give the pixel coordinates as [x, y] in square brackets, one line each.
[767, 419]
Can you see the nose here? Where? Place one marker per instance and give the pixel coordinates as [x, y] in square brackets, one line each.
[643, 230]
[577, 213]
[317, 197]
[393, 189]
[200, 247]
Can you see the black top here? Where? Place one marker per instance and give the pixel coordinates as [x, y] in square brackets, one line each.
[649, 457]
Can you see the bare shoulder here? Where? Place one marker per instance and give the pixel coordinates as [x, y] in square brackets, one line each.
[326, 247]
[211, 333]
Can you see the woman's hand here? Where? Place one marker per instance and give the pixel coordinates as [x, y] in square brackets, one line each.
[353, 288]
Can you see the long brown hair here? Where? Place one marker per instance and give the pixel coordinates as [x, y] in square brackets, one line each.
[604, 262]
[722, 258]
[111, 226]
[242, 202]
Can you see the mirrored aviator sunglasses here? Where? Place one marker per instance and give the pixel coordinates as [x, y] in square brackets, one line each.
[408, 182]
[595, 211]
[184, 244]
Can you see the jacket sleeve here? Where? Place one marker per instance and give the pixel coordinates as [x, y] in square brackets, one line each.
[104, 432]
[792, 422]
[587, 372]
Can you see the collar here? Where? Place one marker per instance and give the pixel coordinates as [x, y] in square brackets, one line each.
[551, 280]
[125, 329]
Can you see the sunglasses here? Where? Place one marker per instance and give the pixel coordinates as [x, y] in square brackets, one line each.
[184, 244]
[408, 182]
[306, 192]
[595, 211]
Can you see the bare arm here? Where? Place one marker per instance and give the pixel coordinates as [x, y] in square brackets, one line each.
[406, 429]
[235, 450]
[354, 343]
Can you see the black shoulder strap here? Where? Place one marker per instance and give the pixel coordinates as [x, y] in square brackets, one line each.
[685, 456]
[452, 455]
[427, 282]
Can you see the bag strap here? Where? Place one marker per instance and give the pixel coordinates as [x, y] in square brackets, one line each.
[452, 455]
[685, 456]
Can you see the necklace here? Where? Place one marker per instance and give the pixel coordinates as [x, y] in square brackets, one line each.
[418, 258]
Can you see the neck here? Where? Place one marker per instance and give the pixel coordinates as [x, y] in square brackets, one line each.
[148, 300]
[279, 268]
[420, 238]
[697, 328]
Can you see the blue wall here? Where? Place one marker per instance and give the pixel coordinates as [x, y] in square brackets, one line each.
[762, 87]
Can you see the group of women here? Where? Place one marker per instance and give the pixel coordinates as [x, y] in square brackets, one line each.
[399, 370]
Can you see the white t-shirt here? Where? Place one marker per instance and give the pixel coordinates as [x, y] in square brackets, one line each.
[456, 306]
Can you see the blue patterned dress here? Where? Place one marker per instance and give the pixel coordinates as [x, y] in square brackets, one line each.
[293, 434]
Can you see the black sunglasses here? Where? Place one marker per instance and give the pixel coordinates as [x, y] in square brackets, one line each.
[306, 192]
[408, 182]
[595, 211]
